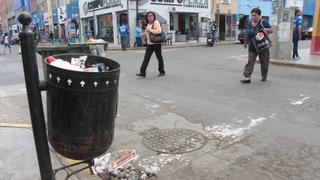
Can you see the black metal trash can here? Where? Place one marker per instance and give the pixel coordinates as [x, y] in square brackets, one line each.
[81, 108]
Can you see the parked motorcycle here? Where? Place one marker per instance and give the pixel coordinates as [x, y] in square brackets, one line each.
[210, 39]
[15, 41]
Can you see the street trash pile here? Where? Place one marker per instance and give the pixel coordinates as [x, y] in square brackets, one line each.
[77, 64]
[116, 165]
[97, 49]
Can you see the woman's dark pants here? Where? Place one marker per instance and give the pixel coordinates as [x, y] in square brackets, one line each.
[149, 50]
[264, 58]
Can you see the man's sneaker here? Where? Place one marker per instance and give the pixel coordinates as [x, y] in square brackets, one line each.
[161, 74]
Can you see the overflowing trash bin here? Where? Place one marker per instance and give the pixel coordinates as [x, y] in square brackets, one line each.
[81, 103]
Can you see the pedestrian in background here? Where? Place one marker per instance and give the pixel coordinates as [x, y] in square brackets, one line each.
[51, 37]
[124, 34]
[138, 34]
[35, 35]
[296, 34]
[153, 26]
[6, 43]
[255, 25]
[93, 49]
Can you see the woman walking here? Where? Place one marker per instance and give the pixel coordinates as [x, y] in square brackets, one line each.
[153, 27]
[254, 27]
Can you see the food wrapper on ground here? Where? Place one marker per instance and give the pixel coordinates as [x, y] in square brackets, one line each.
[101, 164]
[120, 158]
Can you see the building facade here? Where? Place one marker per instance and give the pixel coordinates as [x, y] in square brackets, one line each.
[102, 19]
[224, 12]
[183, 19]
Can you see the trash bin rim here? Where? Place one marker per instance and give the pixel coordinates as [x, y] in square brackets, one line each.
[81, 72]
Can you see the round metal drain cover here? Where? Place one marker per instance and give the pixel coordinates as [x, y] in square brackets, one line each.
[174, 141]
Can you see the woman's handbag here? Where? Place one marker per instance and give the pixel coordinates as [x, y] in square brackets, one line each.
[261, 40]
[157, 38]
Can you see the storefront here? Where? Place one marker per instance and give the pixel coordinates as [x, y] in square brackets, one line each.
[186, 26]
[185, 19]
[227, 25]
[102, 18]
[105, 27]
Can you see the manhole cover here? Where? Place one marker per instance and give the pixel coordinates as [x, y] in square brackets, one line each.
[174, 141]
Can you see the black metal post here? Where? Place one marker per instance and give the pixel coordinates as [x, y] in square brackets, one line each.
[34, 96]
[137, 11]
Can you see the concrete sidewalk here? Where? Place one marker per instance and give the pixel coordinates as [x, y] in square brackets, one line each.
[307, 61]
[112, 47]
[18, 158]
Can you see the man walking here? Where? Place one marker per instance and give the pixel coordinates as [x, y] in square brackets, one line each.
[124, 34]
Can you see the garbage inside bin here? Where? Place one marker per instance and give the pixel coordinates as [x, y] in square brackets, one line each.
[77, 64]
[81, 107]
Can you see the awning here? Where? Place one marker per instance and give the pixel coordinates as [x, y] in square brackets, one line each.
[158, 17]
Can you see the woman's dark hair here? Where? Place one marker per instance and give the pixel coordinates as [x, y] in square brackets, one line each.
[296, 12]
[150, 12]
[256, 10]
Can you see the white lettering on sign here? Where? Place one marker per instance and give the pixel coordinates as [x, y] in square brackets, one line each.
[183, 3]
[100, 4]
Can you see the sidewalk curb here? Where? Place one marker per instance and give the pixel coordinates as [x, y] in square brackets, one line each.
[294, 64]
[172, 47]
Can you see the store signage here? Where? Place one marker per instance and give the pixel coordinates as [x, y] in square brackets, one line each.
[62, 14]
[73, 11]
[55, 16]
[99, 4]
[182, 3]
[47, 17]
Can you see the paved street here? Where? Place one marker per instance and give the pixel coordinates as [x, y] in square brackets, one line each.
[262, 130]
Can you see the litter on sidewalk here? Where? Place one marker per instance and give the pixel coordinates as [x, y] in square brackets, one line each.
[116, 165]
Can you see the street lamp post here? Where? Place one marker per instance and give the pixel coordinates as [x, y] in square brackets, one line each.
[137, 10]
[218, 20]
[94, 23]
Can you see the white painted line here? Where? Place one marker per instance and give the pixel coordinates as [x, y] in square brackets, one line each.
[237, 57]
[231, 130]
[300, 101]
[154, 164]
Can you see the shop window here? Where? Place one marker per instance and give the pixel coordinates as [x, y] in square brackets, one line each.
[105, 27]
[181, 23]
